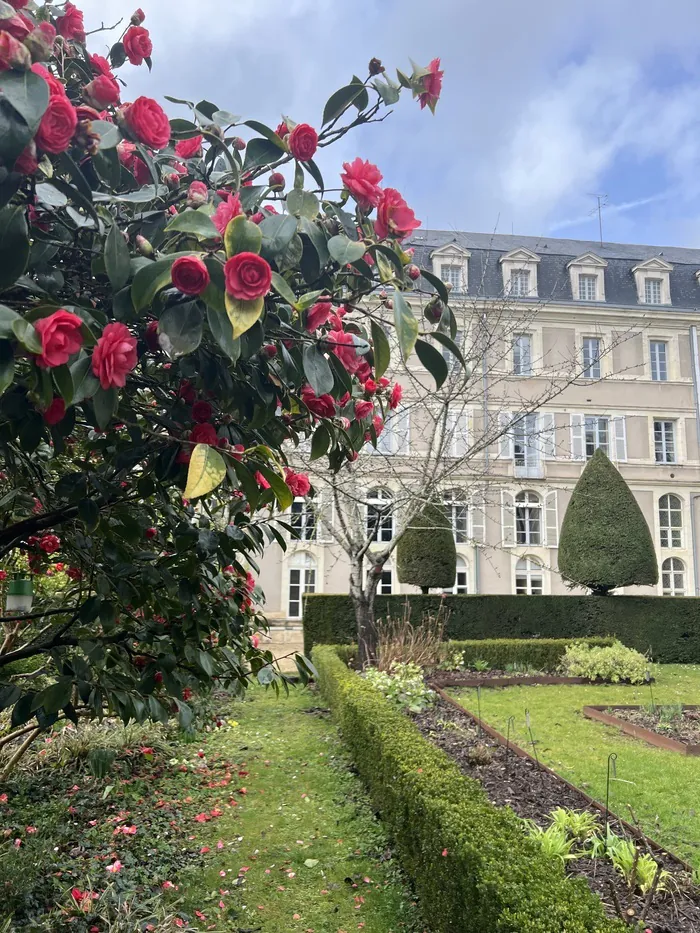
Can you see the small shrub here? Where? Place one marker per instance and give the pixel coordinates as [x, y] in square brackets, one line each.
[479, 755]
[613, 663]
[638, 869]
[399, 640]
[452, 660]
[402, 685]
[579, 824]
[555, 842]
[481, 665]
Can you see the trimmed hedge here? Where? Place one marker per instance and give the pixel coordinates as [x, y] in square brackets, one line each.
[667, 628]
[543, 654]
[426, 554]
[472, 865]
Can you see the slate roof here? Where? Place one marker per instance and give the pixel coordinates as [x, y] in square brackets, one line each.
[554, 281]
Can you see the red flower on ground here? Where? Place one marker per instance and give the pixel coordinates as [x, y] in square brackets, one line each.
[114, 356]
[318, 315]
[299, 483]
[137, 44]
[226, 211]
[57, 125]
[60, 338]
[432, 86]
[321, 405]
[190, 275]
[204, 434]
[189, 148]
[55, 412]
[362, 178]
[201, 411]
[248, 276]
[71, 25]
[148, 122]
[394, 216]
[303, 142]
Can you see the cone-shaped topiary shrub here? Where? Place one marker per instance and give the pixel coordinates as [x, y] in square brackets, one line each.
[426, 555]
[605, 542]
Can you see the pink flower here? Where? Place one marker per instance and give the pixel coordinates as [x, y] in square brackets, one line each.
[168, 886]
[60, 338]
[370, 386]
[102, 91]
[137, 44]
[362, 178]
[101, 66]
[115, 867]
[378, 425]
[148, 122]
[189, 148]
[299, 484]
[204, 434]
[126, 152]
[55, 412]
[190, 275]
[396, 396]
[57, 126]
[303, 142]
[255, 642]
[394, 216]
[226, 211]
[71, 25]
[318, 315]
[114, 356]
[363, 409]
[432, 86]
[321, 405]
[344, 348]
[261, 481]
[248, 276]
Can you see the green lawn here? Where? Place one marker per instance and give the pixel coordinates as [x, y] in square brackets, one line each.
[662, 787]
[302, 843]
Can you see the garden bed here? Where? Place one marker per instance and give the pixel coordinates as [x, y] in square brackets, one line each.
[497, 678]
[676, 729]
[511, 777]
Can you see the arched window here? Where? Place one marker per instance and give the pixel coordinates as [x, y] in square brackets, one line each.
[457, 511]
[528, 518]
[528, 577]
[302, 579]
[461, 585]
[303, 519]
[380, 520]
[673, 577]
[671, 521]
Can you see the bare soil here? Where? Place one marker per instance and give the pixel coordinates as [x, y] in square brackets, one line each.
[672, 722]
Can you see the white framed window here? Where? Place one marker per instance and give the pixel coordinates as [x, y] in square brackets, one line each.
[457, 511]
[461, 584]
[526, 446]
[522, 355]
[380, 517]
[528, 518]
[592, 352]
[394, 438]
[588, 287]
[529, 580]
[303, 520]
[673, 577]
[658, 351]
[589, 432]
[302, 579]
[520, 283]
[597, 434]
[457, 433]
[652, 291]
[386, 580]
[451, 274]
[670, 521]
[665, 441]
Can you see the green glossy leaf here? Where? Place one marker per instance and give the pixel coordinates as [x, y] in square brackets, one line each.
[317, 237]
[302, 204]
[109, 133]
[381, 250]
[317, 370]
[406, 325]
[433, 361]
[362, 100]
[265, 131]
[183, 129]
[64, 382]
[7, 319]
[149, 280]
[315, 173]
[282, 288]
[277, 233]
[85, 383]
[450, 345]
[261, 152]
[224, 118]
[55, 697]
[339, 102]
[105, 402]
[437, 284]
[26, 335]
[344, 250]
[221, 328]
[279, 487]
[195, 223]
[382, 349]
[108, 167]
[243, 314]
[27, 93]
[320, 442]
[14, 244]
[117, 259]
[180, 329]
[242, 236]
[7, 366]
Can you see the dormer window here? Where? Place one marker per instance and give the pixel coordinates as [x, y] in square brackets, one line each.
[587, 278]
[520, 283]
[451, 265]
[451, 274]
[653, 280]
[587, 287]
[519, 268]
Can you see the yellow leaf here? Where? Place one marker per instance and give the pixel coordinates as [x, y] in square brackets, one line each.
[207, 469]
[243, 314]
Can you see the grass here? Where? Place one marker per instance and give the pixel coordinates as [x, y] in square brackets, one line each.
[660, 786]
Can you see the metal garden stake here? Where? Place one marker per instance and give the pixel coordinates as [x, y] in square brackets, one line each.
[532, 738]
[612, 758]
[647, 677]
[510, 725]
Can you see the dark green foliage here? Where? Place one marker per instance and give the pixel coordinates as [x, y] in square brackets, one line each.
[542, 654]
[605, 541]
[426, 555]
[669, 629]
[474, 869]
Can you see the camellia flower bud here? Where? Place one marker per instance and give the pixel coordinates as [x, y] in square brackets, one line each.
[375, 67]
[239, 143]
[172, 180]
[13, 54]
[143, 246]
[413, 272]
[277, 181]
[137, 17]
[197, 194]
[269, 350]
[433, 311]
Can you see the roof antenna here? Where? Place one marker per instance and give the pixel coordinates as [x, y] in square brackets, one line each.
[602, 200]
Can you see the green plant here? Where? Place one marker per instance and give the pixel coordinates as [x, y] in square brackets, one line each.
[519, 667]
[605, 542]
[613, 663]
[480, 665]
[670, 713]
[402, 685]
[638, 869]
[473, 867]
[554, 840]
[399, 640]
[426, 555]
[452, 659]
[579, 824]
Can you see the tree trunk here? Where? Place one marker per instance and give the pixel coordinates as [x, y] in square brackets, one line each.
[362, 593]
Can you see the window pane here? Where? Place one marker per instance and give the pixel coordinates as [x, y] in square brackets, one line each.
[664, 442]
[596, 433]
[591, 358]
[452, 274]
[520, 283]
[587, 287]
[659, 368]
[522, 355]
[652, 291]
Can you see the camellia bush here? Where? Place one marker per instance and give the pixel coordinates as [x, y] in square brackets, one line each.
[182, 302]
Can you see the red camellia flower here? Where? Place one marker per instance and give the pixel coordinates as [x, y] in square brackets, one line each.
[363, 409]
[148, 122]
[55, 412]
[299, 483]
[321, 405]
[13, 54]
[125, 151]
[282, 130]
[138, 16]
[71, 25]
[343, 346]
[60, 338]
[18, 26]
[151, 336]
[187, 392]
[226, 211]
[432, 86]
[248, 276]
[137, 44]
[27, 162]
[151, 533]
[318, 314]
[55, 86]
[3, 575]
[204, 434]
[57, 125]
[370, 386]
[396, 396]
[100, 65]
[49, 544]
[18, 4]
[394, 216]
[103, 91]
[189, 148]
[201, 412]
[75, 573]
[114, 356]
[190, 275]
[261, 481]
[303, 142]
[197, 194]
[362, 178]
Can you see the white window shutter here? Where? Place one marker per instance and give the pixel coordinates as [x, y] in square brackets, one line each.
[577, 447]
[548, 436]
[477, 517]
[551, 518]
[505, 449]
[507, 518]
[620, 436]
[324, 516]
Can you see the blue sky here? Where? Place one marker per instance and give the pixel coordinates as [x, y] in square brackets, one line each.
[545, 104]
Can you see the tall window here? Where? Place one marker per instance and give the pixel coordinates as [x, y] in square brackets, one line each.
[588, 287]
[303, 520]
[528, 518]
[670, 521]
[591, 357]
[652, 291]
[461, 586]
[526, 447]
[596, 434]
[452, 275]
[522, 355]
[380, 519]
[302, 579]
[520, 283]
[456, 433]
[384, 587]
[659, 365]
[664, 441]
[457, 511]
[528, 577]
[394, 438]
[673, 577]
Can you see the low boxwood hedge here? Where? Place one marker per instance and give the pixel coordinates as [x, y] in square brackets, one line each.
[471, 863]
[669, 629]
